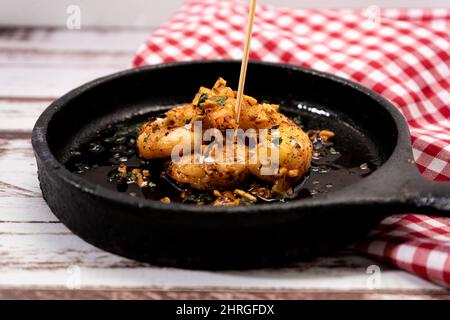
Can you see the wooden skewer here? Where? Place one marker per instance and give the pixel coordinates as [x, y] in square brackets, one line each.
[248, 38]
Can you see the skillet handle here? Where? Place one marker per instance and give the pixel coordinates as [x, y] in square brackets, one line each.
[430, 197]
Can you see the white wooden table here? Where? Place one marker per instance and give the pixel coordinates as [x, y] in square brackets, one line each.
[41, 258]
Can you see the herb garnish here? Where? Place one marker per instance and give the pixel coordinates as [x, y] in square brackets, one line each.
[221, 100]
[198, 198]
[203, 97]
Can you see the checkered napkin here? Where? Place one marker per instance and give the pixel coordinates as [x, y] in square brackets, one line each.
[402, 54]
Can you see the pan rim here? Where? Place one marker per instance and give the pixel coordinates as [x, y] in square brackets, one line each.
[43, 153]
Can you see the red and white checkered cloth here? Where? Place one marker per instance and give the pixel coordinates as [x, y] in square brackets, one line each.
[402, 54]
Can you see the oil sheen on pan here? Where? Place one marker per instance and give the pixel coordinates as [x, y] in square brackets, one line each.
[317, 156]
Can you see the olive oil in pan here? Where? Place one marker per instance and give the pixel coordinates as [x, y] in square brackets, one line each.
[336, 163]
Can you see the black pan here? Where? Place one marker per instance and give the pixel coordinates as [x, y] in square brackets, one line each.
[191, 236]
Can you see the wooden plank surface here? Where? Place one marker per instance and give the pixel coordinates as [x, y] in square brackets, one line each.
[216, 294]
[41, 258]
[45, 63]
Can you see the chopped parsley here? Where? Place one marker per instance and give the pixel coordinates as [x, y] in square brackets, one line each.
[221, 100]
[123, 130]
[202, 197]
[131, 177]
[203, 98]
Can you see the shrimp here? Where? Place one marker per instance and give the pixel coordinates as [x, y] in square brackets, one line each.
[294, 158]
[215, 107]
[183, 115]
[294, 145]
[262, 116]
[218, 106]
[159, 137]
[210, 172]
[157, 141]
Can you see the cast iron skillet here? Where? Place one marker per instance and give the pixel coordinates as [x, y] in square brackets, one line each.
[191, 236]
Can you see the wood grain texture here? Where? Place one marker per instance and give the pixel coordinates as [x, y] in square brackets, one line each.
[216, 294]
[57, 40]
[37, 252]
[21, 114]
[49, 62]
